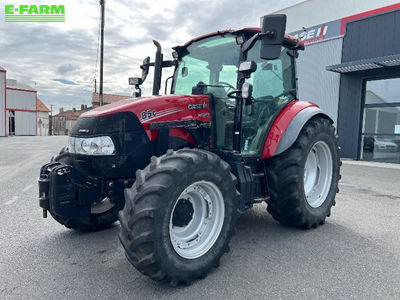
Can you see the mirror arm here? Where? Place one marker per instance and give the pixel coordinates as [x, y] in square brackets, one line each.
[168, 63]
[250, 42]
[139, 92]
[166, 83]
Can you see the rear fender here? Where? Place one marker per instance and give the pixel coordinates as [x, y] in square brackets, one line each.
[287, 126]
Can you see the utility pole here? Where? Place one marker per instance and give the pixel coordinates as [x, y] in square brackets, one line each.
[102, 4]
[95, 86]
[51, 120]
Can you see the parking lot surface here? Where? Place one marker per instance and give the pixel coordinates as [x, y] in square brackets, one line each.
[355, 255]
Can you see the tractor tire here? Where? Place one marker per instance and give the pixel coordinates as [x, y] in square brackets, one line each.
[179, 215]
[303, 180]
[97, 221]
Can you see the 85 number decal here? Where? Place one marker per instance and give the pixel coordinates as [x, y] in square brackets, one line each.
[148, 114]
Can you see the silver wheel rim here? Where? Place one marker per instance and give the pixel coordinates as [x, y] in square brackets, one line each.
[195, 238]
[101, 206]
[318, 174]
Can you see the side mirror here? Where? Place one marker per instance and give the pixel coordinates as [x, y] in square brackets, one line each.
[272, 36]
[145, 68]
[247, 68]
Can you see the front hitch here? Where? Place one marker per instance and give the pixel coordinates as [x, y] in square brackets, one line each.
[61, 194]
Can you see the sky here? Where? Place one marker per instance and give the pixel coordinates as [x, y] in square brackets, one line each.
[59, 59]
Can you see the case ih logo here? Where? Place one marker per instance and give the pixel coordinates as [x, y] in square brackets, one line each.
[319, 32]
[34, 13]
[197, 106]
[313, 34]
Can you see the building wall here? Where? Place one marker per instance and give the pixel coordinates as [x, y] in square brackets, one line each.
[25, 123]
[313, 12]
[43, 123]
[315, 84]
[374, 36]
[69, 124]
[59, 125]
[18, 99]
[371, 37]
[23, 102]
[2, 103]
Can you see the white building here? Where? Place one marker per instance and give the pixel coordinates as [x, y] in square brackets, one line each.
[43, 118]
[18, 113]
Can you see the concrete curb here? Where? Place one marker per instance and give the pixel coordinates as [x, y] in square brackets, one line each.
[370, 164]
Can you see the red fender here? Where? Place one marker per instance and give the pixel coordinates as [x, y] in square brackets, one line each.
[280, 125]
[182, 133]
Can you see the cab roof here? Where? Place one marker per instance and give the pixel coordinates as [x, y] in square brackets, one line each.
[289, 40]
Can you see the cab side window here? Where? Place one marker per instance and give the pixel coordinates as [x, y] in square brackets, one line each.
[273, 87]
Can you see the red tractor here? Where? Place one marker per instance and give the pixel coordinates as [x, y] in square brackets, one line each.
[179, 169]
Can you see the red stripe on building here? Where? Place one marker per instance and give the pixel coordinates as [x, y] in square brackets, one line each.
[36, 113]
[345, 20]
[5, 103]
[22, 90]
[18, 109]
[321, 30]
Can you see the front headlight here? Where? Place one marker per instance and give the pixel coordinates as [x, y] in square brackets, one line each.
[101, 145]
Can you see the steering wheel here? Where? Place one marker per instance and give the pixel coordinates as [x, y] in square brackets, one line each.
[223, 83]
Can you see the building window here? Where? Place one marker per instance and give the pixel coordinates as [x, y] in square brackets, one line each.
[380, 138]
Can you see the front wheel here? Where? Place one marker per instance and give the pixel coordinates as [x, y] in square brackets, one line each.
[303, 180]
[102, 214]
[179, 215]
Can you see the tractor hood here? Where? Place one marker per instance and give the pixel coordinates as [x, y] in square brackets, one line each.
[158, 109]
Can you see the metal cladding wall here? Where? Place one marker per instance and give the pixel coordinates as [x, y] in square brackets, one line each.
[367, 38]
[374, 36]
[314, 82]
[2, 103]
[23, 102]
[311, 12]
[25, 123]
[18, 99]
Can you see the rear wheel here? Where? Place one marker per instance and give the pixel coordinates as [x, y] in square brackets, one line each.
[303, 180]
[179, 215]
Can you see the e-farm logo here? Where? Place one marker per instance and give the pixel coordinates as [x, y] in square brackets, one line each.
[34, 13]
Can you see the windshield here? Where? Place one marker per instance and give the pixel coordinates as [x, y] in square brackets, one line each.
[213, 61]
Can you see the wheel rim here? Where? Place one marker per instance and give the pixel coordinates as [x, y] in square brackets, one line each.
[101, 206]
[196, 219]
[318, 174]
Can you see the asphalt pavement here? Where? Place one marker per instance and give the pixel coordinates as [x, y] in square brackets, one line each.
[355, 255]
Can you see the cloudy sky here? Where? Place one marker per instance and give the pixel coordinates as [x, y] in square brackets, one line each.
[59, 59]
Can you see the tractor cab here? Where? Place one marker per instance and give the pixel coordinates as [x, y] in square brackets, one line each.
[249, 76]
[211, 66]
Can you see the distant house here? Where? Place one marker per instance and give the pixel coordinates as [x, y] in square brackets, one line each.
[42, 118]
[107, 99]
[65, 120]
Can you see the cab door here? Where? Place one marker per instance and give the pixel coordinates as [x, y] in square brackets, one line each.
[274, 85]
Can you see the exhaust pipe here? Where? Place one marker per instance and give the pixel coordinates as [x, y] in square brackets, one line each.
[157, 69]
